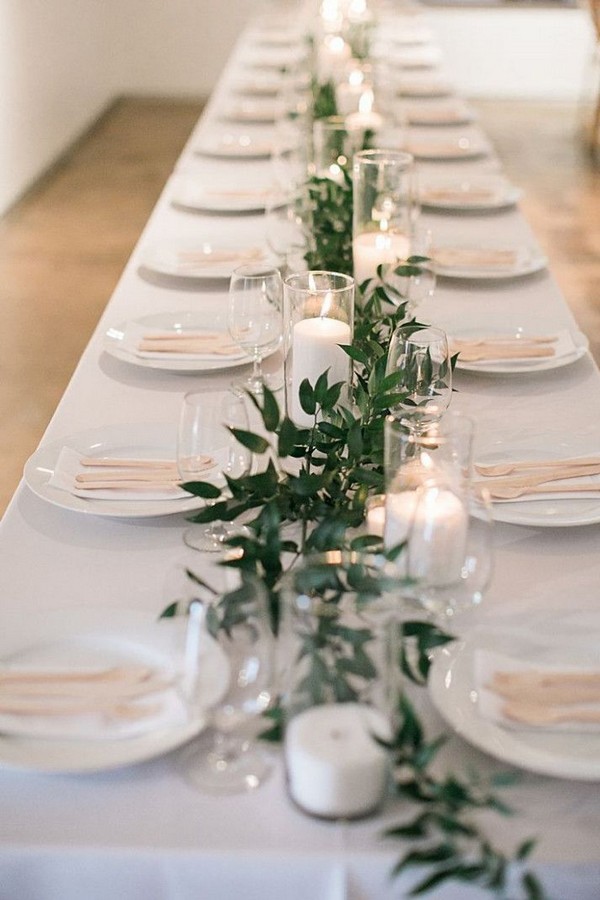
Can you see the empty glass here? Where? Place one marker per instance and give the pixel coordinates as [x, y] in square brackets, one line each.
[207, 451]
[227, 759]
[255, 317]
[419, 353]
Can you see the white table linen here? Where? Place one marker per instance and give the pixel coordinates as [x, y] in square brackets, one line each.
[142, 832]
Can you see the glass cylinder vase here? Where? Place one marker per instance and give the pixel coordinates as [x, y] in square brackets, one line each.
[383, 209]
[339, 644]
[319, 310]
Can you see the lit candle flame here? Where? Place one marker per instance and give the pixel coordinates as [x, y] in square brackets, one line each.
[365, 104]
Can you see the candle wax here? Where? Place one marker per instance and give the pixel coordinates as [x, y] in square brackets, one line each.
[335, 769]
[315, 349]
[375, 248]
[436, 523]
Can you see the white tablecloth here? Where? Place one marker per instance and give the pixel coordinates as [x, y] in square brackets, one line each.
[142, 832]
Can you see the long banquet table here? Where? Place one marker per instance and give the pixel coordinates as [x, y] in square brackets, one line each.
[140, 831]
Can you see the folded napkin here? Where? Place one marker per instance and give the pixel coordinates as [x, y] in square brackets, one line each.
[434, 149]
[519, 694]
[114, 481]
[473, 196]
[189, 260]
[433, 114]
[91, 704]
[498, 348]
[237, 147]
[147, 343]
[476, 258]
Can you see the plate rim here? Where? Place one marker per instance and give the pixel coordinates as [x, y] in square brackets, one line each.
[38, 470]
[511, 196]
[218, 274]
[443, 659]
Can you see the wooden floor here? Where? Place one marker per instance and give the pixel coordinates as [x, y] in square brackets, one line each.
[64, 246]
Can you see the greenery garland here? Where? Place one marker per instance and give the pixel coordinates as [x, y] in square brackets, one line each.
[319, 479]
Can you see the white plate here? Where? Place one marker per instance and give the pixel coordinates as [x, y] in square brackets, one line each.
[556, 512]
[424, 87]
[117, 344]
[150, 441]
[200, 259]
[468, 194]
[253, 111]
[448, 149]
[425, 56]
[527, 261]
[570, 346]
[432, 113]
[269, 86]
[97, 638]
[452, 690]
[234, 146]
[191, 194]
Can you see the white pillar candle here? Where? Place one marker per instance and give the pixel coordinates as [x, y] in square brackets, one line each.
[376, 519]
[365, 119]
[376, 248]
[334, 766]
[315, 349]
[436, 522]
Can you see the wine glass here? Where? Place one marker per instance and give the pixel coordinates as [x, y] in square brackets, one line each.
[255, 317]
[420, 354]
[207, 451]
[227, 759]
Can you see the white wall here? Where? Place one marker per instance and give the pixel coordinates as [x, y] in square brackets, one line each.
[175, 46]
[535, 53]
[53, 83]
[62, 61]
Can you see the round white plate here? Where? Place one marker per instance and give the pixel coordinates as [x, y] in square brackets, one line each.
[452, 690]
[424, 88]
[90, 638]
[460, 194]
[528, 260]
[234, 146]
[117, 345]
[151, 441]
[190, 194]
[437, 114]
[572, 345]
[252, 111]
[200, 259]
[556, 512]
[259, 87]
[443, 150]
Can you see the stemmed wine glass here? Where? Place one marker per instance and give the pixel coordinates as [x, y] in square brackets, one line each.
[227, 760]
[255, 317]
[287, 219]
[420, 354]
[207, 451]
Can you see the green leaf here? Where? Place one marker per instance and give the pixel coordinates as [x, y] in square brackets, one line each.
[202, 489]
[307, 398]
[288, 437]
[532, 887]
[253, 442]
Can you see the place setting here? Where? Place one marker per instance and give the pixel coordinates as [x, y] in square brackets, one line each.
[199, 259]
[254, 111]
[486, 261]
[447, 148]
[192, 194]
[438, 113]
[530, 486]
[88, 689]
[471, 193]
[524, 696]
[518, 351]
[234, 146]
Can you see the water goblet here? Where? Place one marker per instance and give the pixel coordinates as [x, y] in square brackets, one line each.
[420, 356]
[255, 317]
[207, 451]
[227, 759]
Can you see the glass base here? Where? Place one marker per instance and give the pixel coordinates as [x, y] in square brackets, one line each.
[228, 765]
[255, 386]
[211, 539]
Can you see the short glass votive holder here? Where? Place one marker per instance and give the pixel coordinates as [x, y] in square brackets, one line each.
[319, 311]
[438, 525]
[383, 200]
[341, 683]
